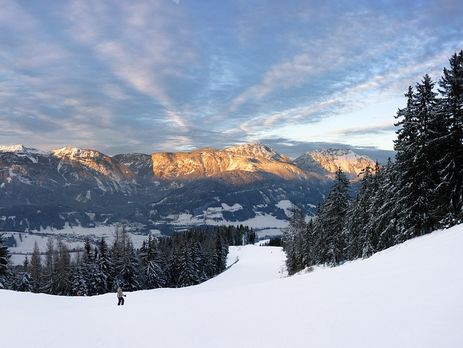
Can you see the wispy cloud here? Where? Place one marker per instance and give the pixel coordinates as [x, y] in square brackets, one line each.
[140, 47]
[163, 74]
[367, 130]
[344, 64]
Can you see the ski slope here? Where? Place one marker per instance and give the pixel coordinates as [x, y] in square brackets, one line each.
[410, 295]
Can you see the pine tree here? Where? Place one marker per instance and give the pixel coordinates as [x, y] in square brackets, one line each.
[358, 233]
[104, 264]
[4, 260]
[385, 210]
[152, 265]
[450, 190]
[221, 249]
[308, 253]
[293, 241]
[62, 269]
[78, 282]
[48, 280]
[189, 269]
[329, 226]
[36, 268]
[415, 160]
[24, 281]
[125, 261]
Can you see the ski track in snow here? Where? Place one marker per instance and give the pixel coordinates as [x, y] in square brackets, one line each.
[407, 296]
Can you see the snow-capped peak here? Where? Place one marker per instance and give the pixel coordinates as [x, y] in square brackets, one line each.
[76, 152]
[330, 160]
[18, 148]
[339, 154]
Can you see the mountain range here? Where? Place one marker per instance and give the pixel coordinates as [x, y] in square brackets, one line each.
[249, 183]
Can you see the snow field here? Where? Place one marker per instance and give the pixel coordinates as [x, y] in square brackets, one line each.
[407, 296]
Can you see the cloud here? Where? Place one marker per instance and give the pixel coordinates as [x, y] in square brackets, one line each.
[143, 75]
[349, 64]
[367, 130]
[145, 54]
[291, 115]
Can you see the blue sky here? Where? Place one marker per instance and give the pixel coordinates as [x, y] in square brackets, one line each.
[141, 76]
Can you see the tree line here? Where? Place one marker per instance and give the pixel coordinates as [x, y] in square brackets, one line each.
[185, 258]
[418, 192]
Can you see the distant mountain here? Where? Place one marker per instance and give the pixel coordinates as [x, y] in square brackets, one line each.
[249, 183]
[294, 149]
[326, 162]
[248, 158]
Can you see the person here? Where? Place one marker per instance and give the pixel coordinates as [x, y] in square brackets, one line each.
[120, 296]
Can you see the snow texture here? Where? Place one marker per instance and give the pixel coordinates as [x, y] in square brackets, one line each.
[406, 296]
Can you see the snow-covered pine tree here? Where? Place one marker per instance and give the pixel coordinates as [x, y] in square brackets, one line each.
[121, 259]
[23, 280]
[430, 129]
[189, 268]
[290, 240]
[78, 282]
[4, 260]
[308, 257]
[152, 266]
[250, 236]
[94, 278]
[358, 235]
[126, 262]
[199, 258]
[450, 191]
[88, 257]
[104, 264]
[209, 257]
[384, 211]
[331, 221]
[415, 160]
[221, 249]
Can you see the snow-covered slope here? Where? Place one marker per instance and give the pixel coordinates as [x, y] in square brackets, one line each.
[407, 296]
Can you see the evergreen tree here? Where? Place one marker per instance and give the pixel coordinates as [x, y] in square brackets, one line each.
[415, 160]
[293, 241]
[125, 261]
[358, 234]
[221, 249]
[36, 268]
[62, 269]
[450, 190]
[308, 257]
[330, 222]
[23, 280]
[48, 281]
[152, 265]
[4, 260]
[78, 281]
[385, 210]
[189, 269]
[104, 264]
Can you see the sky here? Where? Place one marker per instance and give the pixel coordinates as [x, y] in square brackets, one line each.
[141, 76]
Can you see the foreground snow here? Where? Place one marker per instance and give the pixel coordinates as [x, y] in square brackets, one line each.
[406, 296]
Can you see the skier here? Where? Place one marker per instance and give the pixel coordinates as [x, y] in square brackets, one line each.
[120, 296]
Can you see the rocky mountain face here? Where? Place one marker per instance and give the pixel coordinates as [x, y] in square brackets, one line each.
[326, 162]
[248, 158]
[248, 183]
